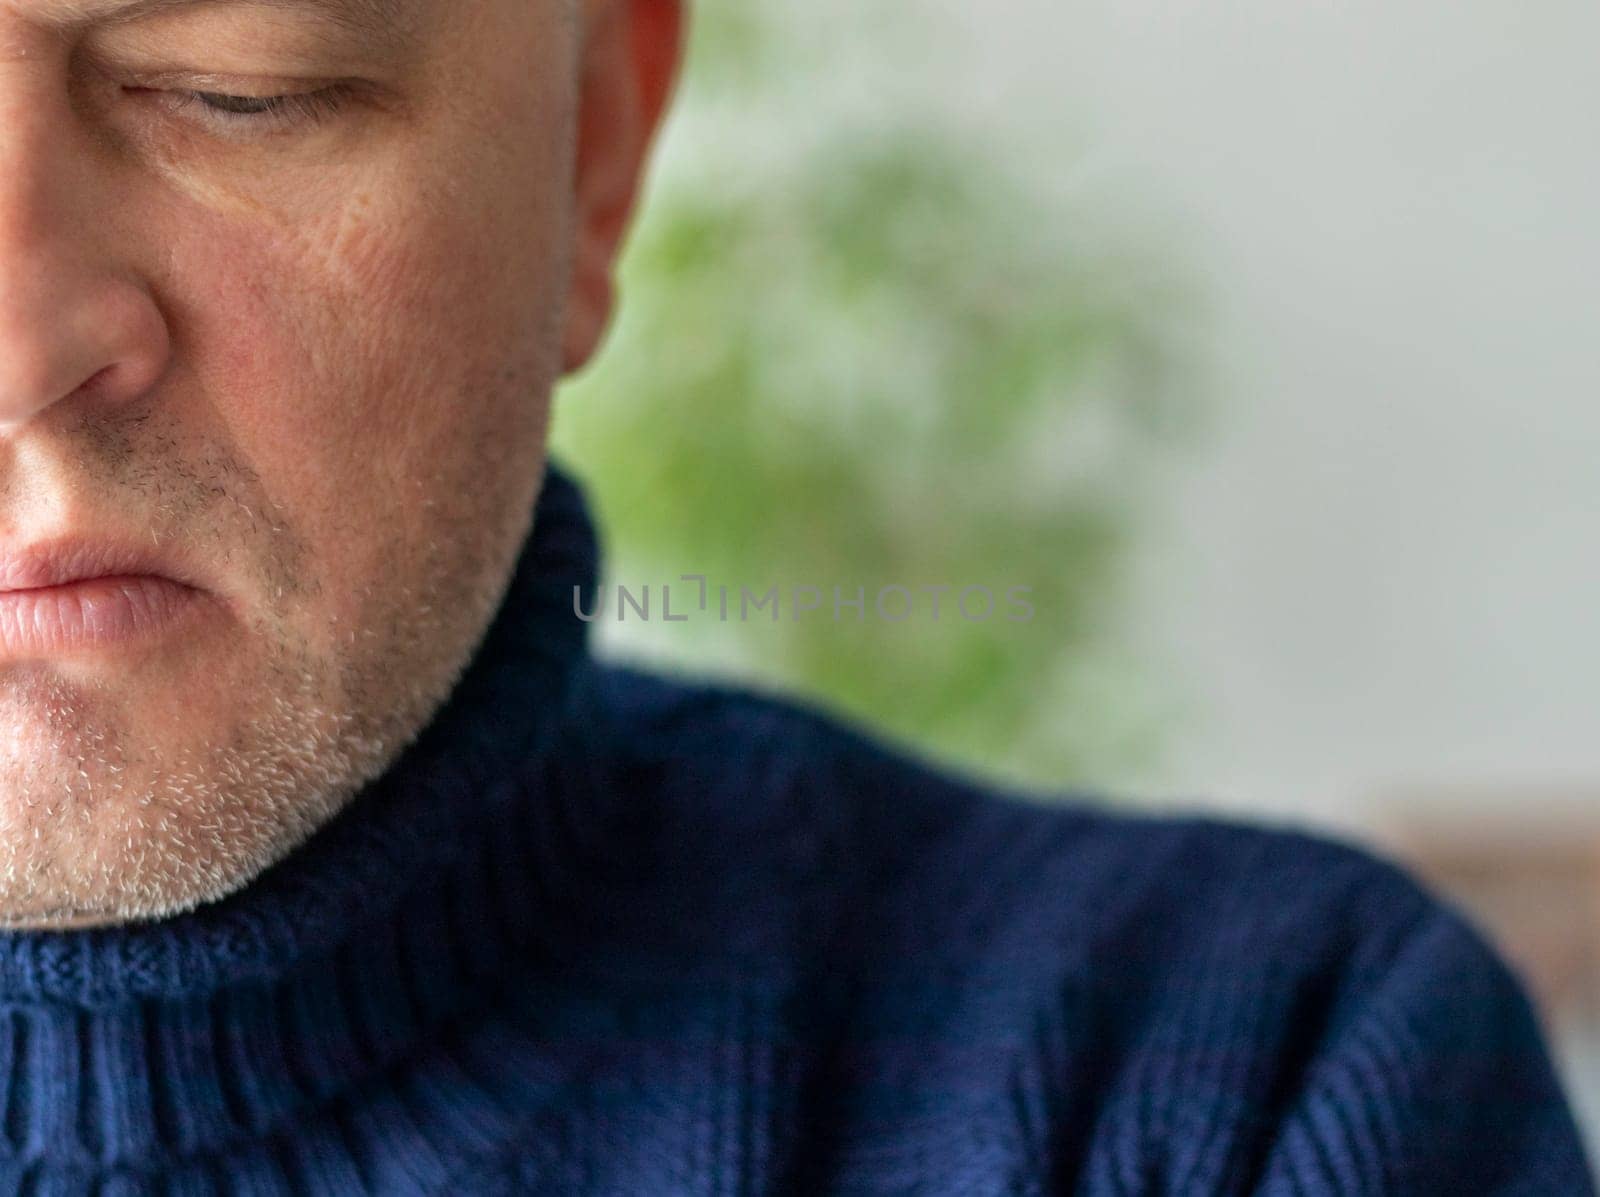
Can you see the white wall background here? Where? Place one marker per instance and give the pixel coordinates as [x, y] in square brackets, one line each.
[1380, 573]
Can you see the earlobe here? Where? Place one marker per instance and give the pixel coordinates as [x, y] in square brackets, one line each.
[589, 307]
[629, 55]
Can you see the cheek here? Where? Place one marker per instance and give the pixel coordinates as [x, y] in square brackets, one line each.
[359, 351]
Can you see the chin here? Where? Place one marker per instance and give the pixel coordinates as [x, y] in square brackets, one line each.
[103, 821]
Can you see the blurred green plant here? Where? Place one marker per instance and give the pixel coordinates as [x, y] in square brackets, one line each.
[867, 356]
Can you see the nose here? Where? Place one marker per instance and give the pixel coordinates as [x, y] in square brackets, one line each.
[76, 320]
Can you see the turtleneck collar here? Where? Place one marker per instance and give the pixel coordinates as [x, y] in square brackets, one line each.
[184, 1036]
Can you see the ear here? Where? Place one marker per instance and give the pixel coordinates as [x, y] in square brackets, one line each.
[629, 56]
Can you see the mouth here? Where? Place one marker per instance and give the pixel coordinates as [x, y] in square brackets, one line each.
[68, 597]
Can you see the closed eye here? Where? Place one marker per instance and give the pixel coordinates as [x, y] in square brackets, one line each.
[288, 108]
[246, 114]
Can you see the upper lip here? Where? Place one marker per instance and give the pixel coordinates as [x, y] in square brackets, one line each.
[62, 562]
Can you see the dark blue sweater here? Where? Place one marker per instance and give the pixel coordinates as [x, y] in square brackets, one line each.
[604, 933]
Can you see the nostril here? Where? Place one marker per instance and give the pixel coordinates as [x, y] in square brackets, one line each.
[93, 384]
[98, 340]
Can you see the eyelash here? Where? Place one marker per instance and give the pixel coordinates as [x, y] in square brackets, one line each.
[268, 112]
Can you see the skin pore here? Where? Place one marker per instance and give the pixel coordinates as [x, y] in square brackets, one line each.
[285, 286]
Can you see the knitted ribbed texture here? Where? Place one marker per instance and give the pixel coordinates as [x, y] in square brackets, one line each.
[602, 932]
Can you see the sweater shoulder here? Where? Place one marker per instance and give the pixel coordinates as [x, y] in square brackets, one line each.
[1057, 986]
[806, 824]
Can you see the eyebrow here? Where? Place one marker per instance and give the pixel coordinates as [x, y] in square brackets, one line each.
[381, 20]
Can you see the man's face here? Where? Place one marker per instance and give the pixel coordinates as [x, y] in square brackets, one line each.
[295, 354]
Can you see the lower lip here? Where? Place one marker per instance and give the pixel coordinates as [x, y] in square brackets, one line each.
[93, 613]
